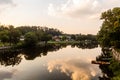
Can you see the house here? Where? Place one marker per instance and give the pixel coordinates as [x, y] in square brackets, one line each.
[22, 38]
[56, 38]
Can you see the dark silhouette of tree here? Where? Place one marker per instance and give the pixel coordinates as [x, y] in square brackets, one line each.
[4, 36]
[30, 39]
[110, 30]
[10, 57]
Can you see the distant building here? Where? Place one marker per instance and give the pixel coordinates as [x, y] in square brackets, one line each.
[22, 38]
[56, 38]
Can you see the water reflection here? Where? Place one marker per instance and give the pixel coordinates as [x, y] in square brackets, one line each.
[32, 53]
[45, 63]
[105, 56]
[10, 57]
[14, 56]
[5, 75]
[77, 69]
[86, 45]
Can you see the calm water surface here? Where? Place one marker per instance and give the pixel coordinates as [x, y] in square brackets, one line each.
[63, 64]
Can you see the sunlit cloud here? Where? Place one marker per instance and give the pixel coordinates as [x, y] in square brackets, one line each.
[76, 69]
[82, 8]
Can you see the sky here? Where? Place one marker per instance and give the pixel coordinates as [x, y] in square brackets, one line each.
[69, 16]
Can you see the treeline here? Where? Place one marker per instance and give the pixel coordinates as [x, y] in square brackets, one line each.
[82, 37]
[33, 35]
[29, 34]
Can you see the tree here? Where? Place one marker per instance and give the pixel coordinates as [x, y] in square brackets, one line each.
[39, 34]
[73, 37]
[30, 39]
[46, 37]
[110, 29]
[64, 37]
[4, 37]
[25, 29]
[14, 35]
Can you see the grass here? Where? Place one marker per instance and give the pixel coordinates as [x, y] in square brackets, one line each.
[62, 42]
[4, 44]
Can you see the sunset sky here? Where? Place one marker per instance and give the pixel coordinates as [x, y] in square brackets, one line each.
[69, 16]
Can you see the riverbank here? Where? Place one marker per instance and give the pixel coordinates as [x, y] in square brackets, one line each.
[80, 44]
[112, 71]
[63, 42]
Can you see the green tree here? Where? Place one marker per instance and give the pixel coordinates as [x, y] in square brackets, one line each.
[30, 39]
[4, 37]
[9, 34]
[64, 38]
[73, 37]
[110, 29]
[46, 37]
[39, 34]
[14, 35]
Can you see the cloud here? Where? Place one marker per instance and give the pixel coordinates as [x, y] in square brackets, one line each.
[4, 4]
[6, 74]
[82, 8]
[51, 10]
[76, 69]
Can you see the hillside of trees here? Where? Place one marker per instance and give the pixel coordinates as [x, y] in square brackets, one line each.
[32, 35]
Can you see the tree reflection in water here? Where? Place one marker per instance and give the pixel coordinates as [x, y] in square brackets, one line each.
[85, 45]
[106, 57]
[10, 57]
[13, 57]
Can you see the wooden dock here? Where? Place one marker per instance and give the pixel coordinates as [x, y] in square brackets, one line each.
[100, 62]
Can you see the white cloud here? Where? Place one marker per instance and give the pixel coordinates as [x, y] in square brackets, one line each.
[82, 8]
[5, 1]
[51, 10]
[5, 4]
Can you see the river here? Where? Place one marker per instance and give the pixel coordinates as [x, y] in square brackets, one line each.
[66, 63]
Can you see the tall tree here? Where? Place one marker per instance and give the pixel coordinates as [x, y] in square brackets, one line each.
[110, 29]
[4, 37]
[30, 39]
[14, 35]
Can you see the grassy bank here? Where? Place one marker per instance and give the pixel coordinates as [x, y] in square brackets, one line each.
[63, 42]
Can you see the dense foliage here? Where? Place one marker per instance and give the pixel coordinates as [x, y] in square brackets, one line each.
[111, 71]
[108, 36]
[33, 35]
[109, 33]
